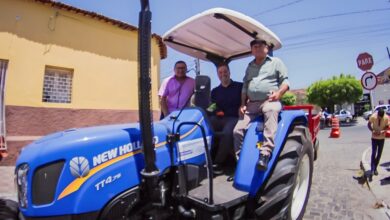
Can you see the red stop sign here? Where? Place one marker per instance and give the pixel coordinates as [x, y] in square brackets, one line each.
[365, 61]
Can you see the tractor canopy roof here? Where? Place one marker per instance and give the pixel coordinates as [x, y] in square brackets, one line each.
[218, 34]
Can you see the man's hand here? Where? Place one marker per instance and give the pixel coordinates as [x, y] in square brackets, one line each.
[277, 95]
[242, 110]
[274, 96]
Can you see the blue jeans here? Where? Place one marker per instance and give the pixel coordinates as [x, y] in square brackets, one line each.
[376, 153]
[223, 125]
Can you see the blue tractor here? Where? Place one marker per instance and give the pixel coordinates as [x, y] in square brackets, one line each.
[163, 170]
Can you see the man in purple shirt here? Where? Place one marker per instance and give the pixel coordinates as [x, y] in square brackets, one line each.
[178, 91]
[161, 91]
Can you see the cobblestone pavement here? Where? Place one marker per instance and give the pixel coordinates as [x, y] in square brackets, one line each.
[7, 186]
[335, 194]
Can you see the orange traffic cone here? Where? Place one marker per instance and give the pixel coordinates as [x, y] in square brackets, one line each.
[335, 132]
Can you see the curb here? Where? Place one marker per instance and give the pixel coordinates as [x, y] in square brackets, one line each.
[366, 166]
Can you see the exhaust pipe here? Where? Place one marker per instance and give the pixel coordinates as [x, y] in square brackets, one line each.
[150, 173]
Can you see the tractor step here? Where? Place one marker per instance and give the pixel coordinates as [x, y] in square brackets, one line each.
[225, 195]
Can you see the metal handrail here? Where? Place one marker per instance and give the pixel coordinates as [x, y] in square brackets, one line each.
[314, 122]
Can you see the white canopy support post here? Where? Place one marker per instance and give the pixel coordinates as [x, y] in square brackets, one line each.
[3, 142]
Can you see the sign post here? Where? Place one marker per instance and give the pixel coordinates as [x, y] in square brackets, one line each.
[365, 62]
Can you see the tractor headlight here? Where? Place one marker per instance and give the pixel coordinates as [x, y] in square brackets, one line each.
[22, 184]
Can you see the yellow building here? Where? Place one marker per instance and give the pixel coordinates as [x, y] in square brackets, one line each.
[65, 67]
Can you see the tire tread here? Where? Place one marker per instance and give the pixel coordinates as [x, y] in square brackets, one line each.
[273, 201]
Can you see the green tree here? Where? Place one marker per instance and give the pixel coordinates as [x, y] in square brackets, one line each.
[337, 90]
[288, 98]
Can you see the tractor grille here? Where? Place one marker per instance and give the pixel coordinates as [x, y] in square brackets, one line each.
[44, 183]
[84, 216]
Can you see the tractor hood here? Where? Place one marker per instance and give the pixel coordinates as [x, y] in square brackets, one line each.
[77, 142]
[66, 169]
[80, 170]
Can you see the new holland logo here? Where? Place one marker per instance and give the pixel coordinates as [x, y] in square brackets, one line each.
[79, 167]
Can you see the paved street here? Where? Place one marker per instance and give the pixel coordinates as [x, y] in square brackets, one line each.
[335, 193]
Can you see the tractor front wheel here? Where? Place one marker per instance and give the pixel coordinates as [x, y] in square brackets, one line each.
[286, 193]
[8, 209]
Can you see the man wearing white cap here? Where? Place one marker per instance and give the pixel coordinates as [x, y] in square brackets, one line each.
[264, 83]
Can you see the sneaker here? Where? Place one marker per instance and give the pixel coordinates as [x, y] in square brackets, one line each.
[262, 163]
[375, 172]
[217, 169]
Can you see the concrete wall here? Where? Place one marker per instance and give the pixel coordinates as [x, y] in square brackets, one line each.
[381, 93]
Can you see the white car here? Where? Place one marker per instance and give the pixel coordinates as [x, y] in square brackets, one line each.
[384, 107]
[344, 116]
[367, 114]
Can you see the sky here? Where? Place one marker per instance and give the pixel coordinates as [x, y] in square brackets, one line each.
[320, 38]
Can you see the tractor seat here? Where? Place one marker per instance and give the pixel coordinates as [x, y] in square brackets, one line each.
[202, 99]
[202, 92]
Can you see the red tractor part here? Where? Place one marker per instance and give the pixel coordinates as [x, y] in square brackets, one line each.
[3, 148]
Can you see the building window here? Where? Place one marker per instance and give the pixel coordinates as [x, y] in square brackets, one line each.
[57, 85]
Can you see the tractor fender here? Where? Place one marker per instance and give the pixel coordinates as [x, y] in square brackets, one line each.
[247, 177]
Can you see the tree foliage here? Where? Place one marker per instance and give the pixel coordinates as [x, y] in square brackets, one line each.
[288, 98]
[335, 91]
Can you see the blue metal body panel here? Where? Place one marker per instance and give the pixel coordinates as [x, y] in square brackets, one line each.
[114, 158]
[247, 178]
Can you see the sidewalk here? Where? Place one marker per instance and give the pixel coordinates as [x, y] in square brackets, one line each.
[379, 185]
[7, 186]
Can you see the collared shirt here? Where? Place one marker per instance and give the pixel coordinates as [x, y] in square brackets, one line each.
[228, 99]
[259, 80]
[379, 125]
[163, 86]
[178, 93]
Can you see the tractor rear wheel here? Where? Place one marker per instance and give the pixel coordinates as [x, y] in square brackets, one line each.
[286, 193]
[8, 209]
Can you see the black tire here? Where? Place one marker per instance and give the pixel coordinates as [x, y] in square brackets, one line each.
[276, 199]
[8, 209]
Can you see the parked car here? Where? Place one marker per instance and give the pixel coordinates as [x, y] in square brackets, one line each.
[367, 114]
[344, 116]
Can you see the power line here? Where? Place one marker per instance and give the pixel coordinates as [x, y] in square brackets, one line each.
[348, 33]
[277, 8]
[380, 60]
[313, 44]
[329, 16]
[316, 43]
[337, 30]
